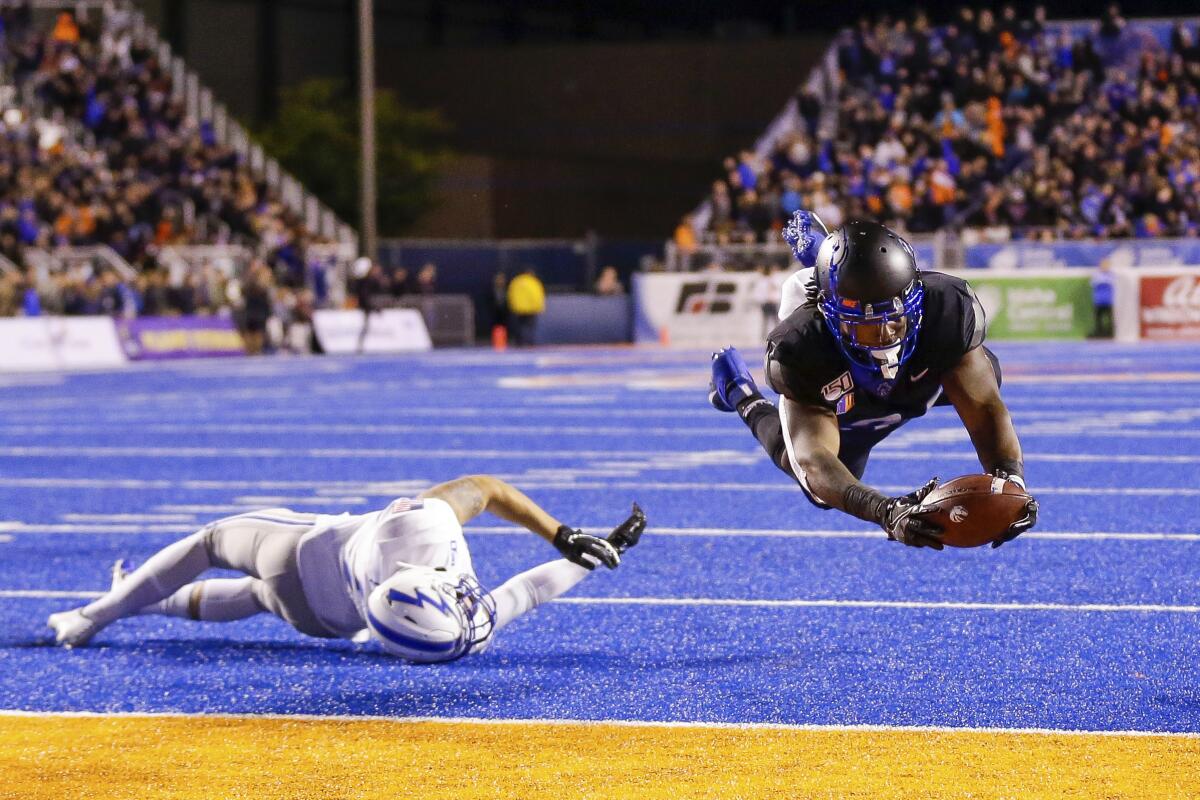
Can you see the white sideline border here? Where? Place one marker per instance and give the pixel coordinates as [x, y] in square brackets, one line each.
[625, 723]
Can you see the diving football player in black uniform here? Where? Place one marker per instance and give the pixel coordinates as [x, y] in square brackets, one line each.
[873, 343]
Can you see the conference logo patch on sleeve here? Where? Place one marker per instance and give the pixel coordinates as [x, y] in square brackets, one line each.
[845, 403]
[835, 389]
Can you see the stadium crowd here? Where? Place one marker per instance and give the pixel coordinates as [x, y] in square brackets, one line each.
[996, 122]
[101, 153]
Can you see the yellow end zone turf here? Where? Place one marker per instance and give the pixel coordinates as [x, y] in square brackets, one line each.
[246, 757]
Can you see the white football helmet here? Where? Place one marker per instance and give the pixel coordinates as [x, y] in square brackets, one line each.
[427, 615]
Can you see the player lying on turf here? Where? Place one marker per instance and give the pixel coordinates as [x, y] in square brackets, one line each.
[403, 574]
[866, 343]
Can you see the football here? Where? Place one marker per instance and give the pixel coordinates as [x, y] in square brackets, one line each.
[975, 509]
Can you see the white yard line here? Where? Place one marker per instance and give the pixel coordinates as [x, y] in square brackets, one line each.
[784, 533]
[930, 605]
[1072, 427]
[46, 594]
[582, 399]
[409, 487]
[681, 458]
[131, 529]
[116, 518]
[1068, 408]
[782, 486]
[351, 453]
[13, 526]
[877, 604]
[264, 501]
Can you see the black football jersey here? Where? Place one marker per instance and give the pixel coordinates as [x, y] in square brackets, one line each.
[805, 363]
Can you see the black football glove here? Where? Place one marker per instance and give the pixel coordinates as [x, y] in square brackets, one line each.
[1031, 511]
[902, 520]
[627, 534]
[585, 550]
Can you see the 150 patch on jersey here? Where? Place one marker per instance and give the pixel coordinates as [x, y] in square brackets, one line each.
[835, 389]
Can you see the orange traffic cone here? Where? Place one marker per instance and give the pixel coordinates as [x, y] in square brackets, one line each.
[499, 337]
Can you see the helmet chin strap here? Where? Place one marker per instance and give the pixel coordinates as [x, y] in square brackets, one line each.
[889, 361]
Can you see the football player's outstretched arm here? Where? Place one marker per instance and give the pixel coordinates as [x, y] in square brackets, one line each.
[971, 386]
[812, 438]
[471, 495]
[526, 591]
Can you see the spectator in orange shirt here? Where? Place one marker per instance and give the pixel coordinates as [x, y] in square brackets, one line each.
[685, 239]
[942, 188]
[65, 29]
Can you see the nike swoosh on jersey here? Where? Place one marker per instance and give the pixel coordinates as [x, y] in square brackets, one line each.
[918, 376]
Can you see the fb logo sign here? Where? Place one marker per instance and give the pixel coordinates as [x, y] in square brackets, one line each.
[706, 297]
[958, 514]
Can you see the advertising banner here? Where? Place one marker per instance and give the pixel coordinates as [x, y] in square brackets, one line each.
[700, 309]
[1035, 306]
[26, 345]
[52, 343]
[391, 330]
[85, 342]
[1169, 306]
[153, 338]
[711, 310]
[1120, 254]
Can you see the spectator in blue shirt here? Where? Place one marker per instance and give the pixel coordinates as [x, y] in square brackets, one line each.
[1102, 302]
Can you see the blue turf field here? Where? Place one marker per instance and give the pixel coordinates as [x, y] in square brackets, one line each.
[1092, 623]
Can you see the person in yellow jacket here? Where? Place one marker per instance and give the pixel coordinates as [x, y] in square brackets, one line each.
[526, 301]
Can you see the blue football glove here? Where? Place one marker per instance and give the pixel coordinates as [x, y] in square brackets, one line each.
[804, 232]
[731, 380]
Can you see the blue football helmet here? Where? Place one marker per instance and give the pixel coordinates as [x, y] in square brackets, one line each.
[869, 293]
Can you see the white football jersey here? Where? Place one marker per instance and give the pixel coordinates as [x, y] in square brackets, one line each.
[345, 557]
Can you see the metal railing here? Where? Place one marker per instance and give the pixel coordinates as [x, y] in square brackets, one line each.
[946, 248]
[88, 260]
[181, 260]
[737, 257]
